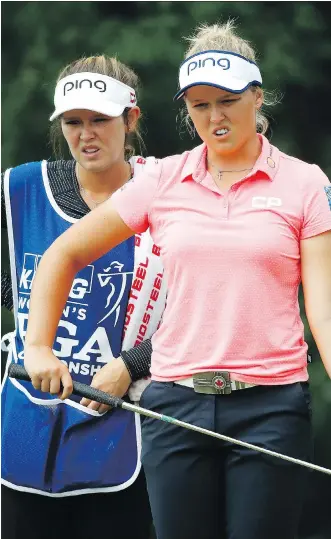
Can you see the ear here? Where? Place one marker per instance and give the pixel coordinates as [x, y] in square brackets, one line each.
[133, 116]
[259, 97]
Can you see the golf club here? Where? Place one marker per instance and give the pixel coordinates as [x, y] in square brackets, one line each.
[83, 390]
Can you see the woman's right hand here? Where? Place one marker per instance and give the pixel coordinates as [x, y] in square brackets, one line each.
[47, 372]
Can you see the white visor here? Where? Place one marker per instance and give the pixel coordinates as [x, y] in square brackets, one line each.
[92, 91]
[222, 69]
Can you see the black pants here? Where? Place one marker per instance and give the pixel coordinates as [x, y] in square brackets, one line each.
[202, 488]
[116, 515]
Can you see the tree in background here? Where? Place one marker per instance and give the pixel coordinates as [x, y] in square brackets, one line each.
[294, 45]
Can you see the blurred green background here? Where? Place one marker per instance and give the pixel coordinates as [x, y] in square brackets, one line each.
[293, 40]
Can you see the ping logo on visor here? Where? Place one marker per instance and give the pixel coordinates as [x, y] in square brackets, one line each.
[92, 91]
[78, 85]
[222, 69]
[223, 63]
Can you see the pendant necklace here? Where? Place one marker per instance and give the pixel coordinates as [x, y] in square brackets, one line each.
[220, 172]
[83, 190]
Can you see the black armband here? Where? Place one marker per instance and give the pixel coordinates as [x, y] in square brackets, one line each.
[138, 360]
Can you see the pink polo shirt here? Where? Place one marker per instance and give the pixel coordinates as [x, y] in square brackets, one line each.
[232, 263]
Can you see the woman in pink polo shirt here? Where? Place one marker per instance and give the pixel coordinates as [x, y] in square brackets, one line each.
[240, 224]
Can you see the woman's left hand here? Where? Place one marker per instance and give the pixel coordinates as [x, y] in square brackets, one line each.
[114, 379]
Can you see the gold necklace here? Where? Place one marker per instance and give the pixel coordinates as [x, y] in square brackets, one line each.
[83, 190]
[220, 172]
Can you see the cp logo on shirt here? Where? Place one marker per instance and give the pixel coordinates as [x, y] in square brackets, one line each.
[266, 202]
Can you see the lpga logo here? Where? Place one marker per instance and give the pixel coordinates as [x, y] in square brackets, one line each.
[117, 281]
[223, 63]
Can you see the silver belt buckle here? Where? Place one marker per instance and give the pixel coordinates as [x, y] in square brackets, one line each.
[212, 383]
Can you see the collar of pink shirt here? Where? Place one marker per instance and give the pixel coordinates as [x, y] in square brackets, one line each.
[267, 162]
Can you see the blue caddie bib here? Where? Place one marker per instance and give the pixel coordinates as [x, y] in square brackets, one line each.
[49, 446]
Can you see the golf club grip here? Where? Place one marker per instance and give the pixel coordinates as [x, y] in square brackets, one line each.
[82, 390]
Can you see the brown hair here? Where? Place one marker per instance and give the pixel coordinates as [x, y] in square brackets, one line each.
[111, 67]
[224, 37]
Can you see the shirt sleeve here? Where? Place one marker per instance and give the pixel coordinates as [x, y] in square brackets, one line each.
[317, 205]
[134, 200]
